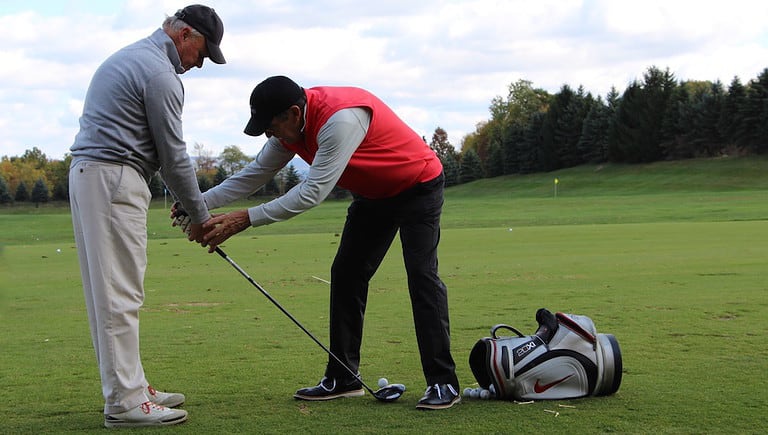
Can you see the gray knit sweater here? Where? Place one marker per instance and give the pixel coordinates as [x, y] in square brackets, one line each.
[132, 116]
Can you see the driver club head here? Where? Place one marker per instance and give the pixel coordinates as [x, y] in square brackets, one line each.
[389, 393]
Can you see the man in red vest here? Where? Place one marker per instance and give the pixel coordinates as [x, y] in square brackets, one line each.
[352, 139]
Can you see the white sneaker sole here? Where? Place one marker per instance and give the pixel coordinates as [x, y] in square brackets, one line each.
[114, 422]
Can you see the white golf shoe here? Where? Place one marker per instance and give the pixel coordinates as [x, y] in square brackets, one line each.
[170, 400]
[146, 414]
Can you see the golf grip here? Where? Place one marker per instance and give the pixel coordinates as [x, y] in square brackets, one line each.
[290, 316]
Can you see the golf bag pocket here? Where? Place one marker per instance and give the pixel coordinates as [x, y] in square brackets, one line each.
[565, 359]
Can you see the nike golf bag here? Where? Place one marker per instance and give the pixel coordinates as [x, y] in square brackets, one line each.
[565, 359]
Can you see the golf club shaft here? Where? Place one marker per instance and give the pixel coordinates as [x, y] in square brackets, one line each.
[290, 316]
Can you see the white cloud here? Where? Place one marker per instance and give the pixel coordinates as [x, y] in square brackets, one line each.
[436, 62]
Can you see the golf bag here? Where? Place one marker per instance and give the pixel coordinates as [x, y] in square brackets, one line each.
[565, 359]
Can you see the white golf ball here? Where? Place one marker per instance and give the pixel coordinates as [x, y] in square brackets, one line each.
[467, 392]
[492, 389]
[383, 382]
[485, 394]
[475, 393]
[58, 250]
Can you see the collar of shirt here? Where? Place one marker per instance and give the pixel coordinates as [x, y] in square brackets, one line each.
[165, 43]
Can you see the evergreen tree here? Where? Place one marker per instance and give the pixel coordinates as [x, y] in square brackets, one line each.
[752, 132]
[22, 193]
[707, 107]
[562, 129]
[221, 175]
[39, 192]
[5, 195]
[728, 124]
[291, 177]
[203, 182]
[593, 143]
[514, 148]
[677, 125]
[531, 147]
[495, 163]
[657, 89]
[451, 171]
[624, 133]
[470, 168]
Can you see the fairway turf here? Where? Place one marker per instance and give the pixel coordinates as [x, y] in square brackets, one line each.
[678, 275]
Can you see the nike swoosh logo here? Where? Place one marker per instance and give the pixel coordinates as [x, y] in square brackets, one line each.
[538, 388]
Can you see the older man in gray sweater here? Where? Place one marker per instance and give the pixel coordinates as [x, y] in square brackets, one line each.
[129, 130]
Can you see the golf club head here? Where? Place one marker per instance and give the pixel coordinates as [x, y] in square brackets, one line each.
[389, 393]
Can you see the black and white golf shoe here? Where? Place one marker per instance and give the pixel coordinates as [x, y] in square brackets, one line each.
[439, 396]
[330, 388]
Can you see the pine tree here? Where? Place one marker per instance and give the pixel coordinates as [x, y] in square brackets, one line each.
[291, 177]
[221, 175]
[728, 124]
[22, 194]
[470, 168]
[753, 114]
[39, 192]
[593, 143]
[5, 195]
[451, 171]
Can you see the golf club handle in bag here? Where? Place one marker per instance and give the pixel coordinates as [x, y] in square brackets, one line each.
[565, 359]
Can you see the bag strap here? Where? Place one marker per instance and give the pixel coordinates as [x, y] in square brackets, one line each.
[500, 326]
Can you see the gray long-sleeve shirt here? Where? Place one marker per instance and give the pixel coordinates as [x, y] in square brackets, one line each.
[132, 115]
[337, 140]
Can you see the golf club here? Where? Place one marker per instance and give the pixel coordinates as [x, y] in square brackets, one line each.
[388, 393]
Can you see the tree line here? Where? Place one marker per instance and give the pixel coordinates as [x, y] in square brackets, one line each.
[32, 177]
[530, 130]
[656, 118]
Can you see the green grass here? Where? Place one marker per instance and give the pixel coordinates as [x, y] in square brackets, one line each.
[670, 258]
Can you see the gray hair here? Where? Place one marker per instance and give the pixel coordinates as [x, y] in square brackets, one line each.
[175, 24]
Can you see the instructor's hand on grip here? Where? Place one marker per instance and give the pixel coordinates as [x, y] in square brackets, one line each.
[223, 226]
[215, 231]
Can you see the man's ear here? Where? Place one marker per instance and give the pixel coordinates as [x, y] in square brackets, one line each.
[184, 33]
[295, 112]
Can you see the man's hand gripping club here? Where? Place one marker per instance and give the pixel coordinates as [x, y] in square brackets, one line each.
[214, 232]
[182, 220]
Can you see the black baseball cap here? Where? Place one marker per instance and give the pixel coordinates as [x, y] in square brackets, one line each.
[207, 22]
[270, 98]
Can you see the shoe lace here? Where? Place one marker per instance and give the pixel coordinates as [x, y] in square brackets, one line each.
[322, 384]
[437, 389]
[148, 406]
[151, 390]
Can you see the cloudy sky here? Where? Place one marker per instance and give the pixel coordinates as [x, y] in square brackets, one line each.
[436, 62]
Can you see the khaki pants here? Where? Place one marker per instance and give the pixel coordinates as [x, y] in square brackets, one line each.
[109, 212]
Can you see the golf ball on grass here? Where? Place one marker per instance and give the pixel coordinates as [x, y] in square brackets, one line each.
[475, 393]
[485, 394]
[467, 392]
[383, 382]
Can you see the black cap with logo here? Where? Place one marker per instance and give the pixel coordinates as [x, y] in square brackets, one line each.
[270, 98]
[207, 22]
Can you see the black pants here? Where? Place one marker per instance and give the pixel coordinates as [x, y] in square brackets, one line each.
[368, 233]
